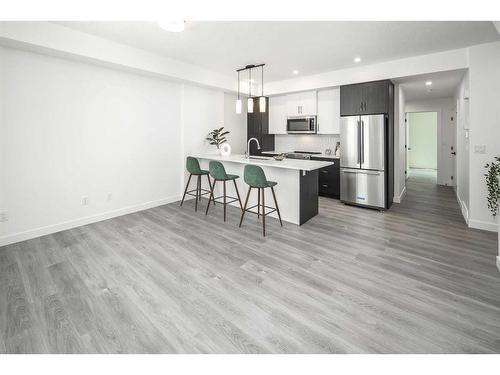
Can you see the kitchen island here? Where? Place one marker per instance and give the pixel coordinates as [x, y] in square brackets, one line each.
[297, 189]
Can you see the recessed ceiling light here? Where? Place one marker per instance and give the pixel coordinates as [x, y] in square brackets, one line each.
[428, 83]
[295, 72]
[357, 59]
[172, 26]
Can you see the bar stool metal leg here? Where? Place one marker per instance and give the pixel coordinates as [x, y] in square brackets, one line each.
[197, 193]
[211, 197]
[245, 206]
[186, 189]
[263, 214]
[276, 205]
[211, 188]
[224, 200]
[258, 203]
[238, 193]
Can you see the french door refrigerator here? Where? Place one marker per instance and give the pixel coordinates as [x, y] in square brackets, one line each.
[362, 160]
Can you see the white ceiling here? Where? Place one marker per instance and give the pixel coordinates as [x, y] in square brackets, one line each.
[444, 84]
[310, 47]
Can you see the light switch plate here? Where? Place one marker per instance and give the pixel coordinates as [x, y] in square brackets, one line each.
[480, 149]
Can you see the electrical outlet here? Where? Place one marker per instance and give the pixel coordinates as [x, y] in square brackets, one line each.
[85, 201]
[480, 149]
[4, 216]
[110, 196]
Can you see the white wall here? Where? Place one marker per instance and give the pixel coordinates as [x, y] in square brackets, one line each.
[236, 123]
[70, 130]
[445, 137]
[461, 108]
[73, 130]
[484, 70]
[399, 144]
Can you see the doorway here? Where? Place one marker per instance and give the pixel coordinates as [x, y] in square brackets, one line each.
[422, 146]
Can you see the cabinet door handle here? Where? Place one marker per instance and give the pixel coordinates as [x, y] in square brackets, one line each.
[324, 171]
[324, 185]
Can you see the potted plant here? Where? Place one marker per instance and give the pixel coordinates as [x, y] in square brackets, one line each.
[492, 174]
[217, 137]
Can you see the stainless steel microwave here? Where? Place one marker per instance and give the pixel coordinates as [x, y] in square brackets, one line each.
[301, 125]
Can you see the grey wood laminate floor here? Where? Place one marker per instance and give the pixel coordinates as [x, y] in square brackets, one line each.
[414, 279]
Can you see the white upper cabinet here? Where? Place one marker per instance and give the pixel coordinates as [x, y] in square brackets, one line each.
[329, 111]
[277, 114]
[302, 104]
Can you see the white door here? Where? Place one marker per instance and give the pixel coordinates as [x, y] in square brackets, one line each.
[329, 111]
[277, 114]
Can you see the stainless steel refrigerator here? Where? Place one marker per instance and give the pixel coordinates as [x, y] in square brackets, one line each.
[362, 160]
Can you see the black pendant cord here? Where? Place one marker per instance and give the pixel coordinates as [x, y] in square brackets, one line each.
[250, 82]
[262, 81]
[238, 85]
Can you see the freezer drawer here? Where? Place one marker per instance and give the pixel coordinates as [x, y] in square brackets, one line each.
[362, 187]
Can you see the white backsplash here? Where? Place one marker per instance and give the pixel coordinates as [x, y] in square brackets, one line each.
[305, 142]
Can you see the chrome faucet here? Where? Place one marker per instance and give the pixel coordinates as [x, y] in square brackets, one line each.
[247, 154]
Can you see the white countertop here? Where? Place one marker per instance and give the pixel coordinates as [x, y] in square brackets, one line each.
[322, 155]
[297, 164]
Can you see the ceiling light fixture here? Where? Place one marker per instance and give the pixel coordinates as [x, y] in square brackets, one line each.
[357, 60]
[295, 72]
[428, 83]
[172, 26]
[250, 102]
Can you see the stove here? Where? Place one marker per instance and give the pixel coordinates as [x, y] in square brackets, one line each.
[302, 154]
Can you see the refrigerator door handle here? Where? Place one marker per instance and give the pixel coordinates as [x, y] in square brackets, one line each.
[362, 145]
[359, 142]
[375, 173]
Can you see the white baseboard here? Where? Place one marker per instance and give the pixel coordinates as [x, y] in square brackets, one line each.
[401, 196]
[463, 208]
[484, 225]
[49, 229]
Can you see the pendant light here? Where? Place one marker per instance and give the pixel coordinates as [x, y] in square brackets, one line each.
[238, 100]
[262, 99]
[250, 102]
[250, 99]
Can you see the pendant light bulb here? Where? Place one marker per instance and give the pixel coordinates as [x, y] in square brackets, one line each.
[238, 106]
[262, 103]
[250, 105]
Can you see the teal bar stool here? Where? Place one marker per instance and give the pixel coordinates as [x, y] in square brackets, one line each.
[255, 177]
[218, 173]
[194, 169]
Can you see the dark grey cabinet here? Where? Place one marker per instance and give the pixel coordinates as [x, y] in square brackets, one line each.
[365, 98]
[258, 127]
[329, 178]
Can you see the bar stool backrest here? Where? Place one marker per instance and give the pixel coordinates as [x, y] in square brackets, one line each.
[254, 176]
[192, 165]
[217, 170]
